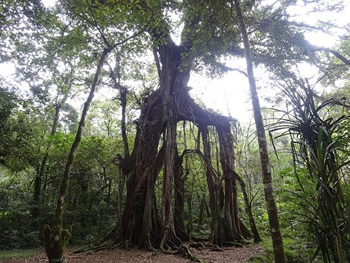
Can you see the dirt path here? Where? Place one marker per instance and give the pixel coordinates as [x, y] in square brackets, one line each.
[232, 255]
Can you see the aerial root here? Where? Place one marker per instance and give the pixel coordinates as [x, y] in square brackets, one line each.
[151, 248]
[168, 243]
[186, 252]
[105, 245]
[123, 245]
[198, 245]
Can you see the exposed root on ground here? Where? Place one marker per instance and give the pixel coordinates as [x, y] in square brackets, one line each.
[185, 251]
[104, 246]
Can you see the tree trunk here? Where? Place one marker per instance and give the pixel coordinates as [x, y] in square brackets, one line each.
[169, 238]
[123, 101]
[248, 204]
[179, 188]
[57, 238]
[232, 223]
[264, 157]
[121, 162]
[42, 168]
[142, 169]
[215, 193]
[121, 185]
[201, 211]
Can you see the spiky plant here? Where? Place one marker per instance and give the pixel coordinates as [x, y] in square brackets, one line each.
[316, 140]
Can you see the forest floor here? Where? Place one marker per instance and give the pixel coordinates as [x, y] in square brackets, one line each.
[224, 255]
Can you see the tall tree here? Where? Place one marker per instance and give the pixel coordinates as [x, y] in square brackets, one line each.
[264, 156]
[160, 113]
[56, 240]
[207, 34]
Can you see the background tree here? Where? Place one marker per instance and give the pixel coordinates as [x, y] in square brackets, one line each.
[169, 178]
[264, 156]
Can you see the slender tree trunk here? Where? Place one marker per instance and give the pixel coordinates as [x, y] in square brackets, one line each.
[232, 223]
[168, 230]
[248, 204]
[215, 193]
[189, 211]
[41, 172]
[57, 238]
[179, 188]
[123, 100]
[123, 93]
[121, 162]
[108, 199]
[121, 184]
[202, 207]
[264, 157]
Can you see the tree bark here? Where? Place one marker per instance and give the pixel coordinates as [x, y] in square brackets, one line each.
[232, 223]
[123, 101]
[42, 167]
[264, 157]
[253, 227]
[142, 169]
[179, 188]
[215, 192]
[169, 237]
[57, 238]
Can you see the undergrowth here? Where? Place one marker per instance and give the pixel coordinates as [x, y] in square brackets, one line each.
[19, 253]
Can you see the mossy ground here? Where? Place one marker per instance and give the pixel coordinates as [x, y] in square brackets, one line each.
[19, 253]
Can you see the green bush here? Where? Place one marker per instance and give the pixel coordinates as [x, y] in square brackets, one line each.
[31, 240]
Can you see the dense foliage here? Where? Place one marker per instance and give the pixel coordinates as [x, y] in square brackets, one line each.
[149, 166]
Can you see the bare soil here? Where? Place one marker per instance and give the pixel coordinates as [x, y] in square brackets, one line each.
[224, 255]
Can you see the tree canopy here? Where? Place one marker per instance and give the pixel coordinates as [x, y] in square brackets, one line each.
[99, 122]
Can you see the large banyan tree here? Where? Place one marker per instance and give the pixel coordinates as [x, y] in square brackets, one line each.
[155, 147]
